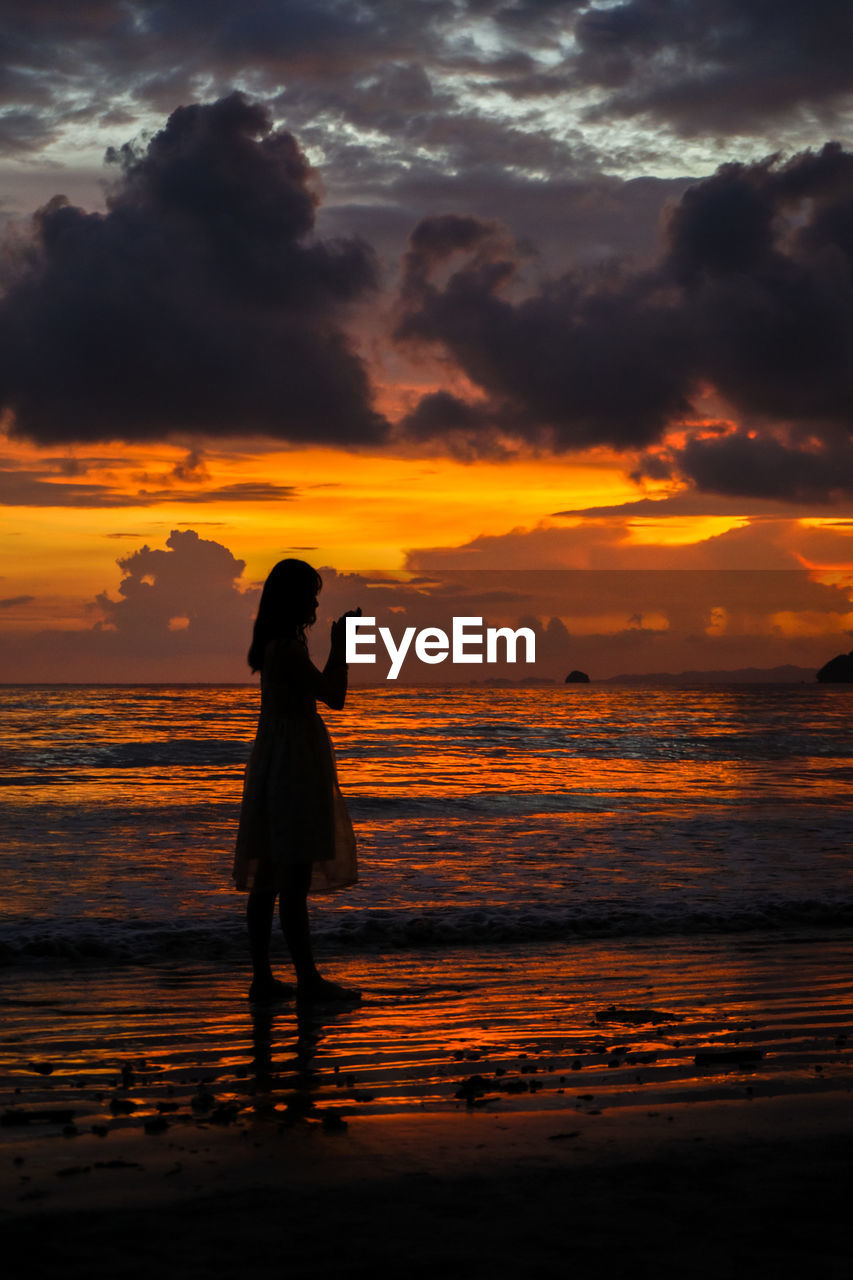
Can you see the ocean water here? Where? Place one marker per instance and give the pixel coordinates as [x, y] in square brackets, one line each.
[483, 815]
[578, 897]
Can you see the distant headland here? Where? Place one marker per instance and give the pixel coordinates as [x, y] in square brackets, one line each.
[787, 674]
[838, 670]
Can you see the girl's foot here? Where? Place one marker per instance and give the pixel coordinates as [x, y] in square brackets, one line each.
[269, 990]
[319, 990]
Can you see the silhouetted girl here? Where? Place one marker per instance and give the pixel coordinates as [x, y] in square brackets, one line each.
[295, 833]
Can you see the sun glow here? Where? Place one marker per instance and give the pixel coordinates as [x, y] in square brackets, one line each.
[76, 514]
[680, 531]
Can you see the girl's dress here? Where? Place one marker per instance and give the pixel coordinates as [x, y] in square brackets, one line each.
[292, 810]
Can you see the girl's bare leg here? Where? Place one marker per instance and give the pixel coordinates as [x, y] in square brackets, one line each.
[259, 920]
[295, 924]
[259, 915]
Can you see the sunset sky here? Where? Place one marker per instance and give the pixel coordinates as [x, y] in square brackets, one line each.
[434, 286]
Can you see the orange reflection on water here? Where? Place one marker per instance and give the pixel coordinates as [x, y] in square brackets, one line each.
[581, 1028]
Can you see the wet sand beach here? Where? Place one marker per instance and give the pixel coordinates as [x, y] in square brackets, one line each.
[631, 1109]
[704, 1189]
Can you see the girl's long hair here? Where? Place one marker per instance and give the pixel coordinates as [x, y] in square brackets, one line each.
[286, 607]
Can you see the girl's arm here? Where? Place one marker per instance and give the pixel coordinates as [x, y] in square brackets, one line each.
[291, 669]
[334, 675]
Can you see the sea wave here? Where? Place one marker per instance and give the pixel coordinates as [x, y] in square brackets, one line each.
[223, 940]
[29, 754]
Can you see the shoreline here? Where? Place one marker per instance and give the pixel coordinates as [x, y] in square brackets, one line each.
[750, 1187]
[641, 1113]
[182, 1163]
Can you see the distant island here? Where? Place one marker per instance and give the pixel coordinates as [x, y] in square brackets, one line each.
[742, 675]
[838, 670]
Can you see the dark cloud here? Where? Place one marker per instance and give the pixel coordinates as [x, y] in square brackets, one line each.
[71, 62]
[525, 13]
[27, 487]
[564, 224]
[712, 65]
[763, 256]
[240, 491]
[24, 130]
[11, 602]
[752, 297]
[441, 412]
[198, 303]
[409, 73]
[311, 37]
[743, 464]
[238, 316]
[467, 431]
[191, 469]
[56, 64]
[588, 359]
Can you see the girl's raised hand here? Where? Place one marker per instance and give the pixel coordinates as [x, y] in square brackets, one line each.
[339, 629]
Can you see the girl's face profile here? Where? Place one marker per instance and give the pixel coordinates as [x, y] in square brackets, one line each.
[308, 605]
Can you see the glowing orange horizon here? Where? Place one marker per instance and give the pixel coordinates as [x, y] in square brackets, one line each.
[349, 510]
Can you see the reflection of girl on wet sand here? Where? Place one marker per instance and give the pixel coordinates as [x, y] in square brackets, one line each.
[295, 833]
